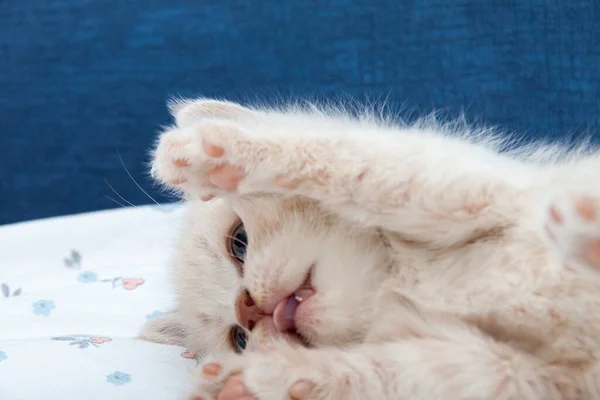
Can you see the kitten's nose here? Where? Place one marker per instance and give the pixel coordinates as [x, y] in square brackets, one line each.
[247, 312]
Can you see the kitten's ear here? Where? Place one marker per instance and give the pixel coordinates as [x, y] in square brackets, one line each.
[187, 112]
[165, 329]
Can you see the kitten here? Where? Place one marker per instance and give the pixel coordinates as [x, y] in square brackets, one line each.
[350, 258]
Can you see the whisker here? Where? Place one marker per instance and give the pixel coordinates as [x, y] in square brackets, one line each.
[121, 197]
[134, 181]
[111, 199]
[236, 239]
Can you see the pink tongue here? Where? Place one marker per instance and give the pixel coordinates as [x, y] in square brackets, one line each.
[283, 315]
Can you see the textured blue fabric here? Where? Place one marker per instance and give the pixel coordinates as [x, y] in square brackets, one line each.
[82, 81]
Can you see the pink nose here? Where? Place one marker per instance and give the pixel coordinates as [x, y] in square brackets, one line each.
[247, 312]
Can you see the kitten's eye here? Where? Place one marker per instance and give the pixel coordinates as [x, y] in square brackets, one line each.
[238, 240]
[238, 338]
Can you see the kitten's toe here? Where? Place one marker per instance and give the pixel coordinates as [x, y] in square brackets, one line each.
[235, 389]
[282, 372]
[574, 227]
[184, 163]
[301, 390]
[173, 162]
[215, 377]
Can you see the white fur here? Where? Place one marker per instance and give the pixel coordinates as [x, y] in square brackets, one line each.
[435, 277]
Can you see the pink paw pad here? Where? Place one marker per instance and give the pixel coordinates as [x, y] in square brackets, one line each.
[235, 389]
[301, 390]
[226, 176]
[211, 150]
[586, 209]
[178, 181]
[181, 163]
[212, 369]
[574, 227]
[556, 215]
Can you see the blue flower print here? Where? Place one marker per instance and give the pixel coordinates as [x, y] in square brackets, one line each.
[153, 315]
[43, 307]
[118, 378]
[3, 356]
[88, 277]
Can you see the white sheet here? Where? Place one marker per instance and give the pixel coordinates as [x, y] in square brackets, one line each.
[74, 293]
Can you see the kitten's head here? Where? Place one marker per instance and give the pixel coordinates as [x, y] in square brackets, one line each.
[253, 269]
[281, 257]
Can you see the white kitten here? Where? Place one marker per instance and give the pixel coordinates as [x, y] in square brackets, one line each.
[358, 259]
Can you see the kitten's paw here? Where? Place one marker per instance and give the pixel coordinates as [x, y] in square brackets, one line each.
[181, 163]
[282, 373]
[574, 227]
[219, 157]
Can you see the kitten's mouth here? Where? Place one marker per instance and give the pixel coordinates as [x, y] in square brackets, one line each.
[284, 314]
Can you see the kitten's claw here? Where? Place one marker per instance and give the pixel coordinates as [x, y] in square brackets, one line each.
[574, 227]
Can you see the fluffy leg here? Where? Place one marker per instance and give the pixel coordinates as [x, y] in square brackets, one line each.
[412, 353]
[426, 186]
[427, 369]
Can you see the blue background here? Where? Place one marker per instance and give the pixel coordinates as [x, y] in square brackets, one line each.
[82, 81]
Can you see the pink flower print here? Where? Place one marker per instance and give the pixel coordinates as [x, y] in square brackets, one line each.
[126, 283]
[83, 341]
[190, 355]
[132, 283]
[100, 340]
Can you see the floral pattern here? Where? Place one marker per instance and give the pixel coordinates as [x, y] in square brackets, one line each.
[62, 299]
[125, 283]
[83, 341]
[191, 355]
[73, 261]
[43, 307]
[6, 291]
[87, 277]
[118, 378]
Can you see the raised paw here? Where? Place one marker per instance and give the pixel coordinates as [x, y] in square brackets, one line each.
[284, 373]
[216, 157]
[574, 227]
[183, 162]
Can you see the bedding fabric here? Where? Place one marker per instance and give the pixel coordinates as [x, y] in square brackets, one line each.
[74, 294]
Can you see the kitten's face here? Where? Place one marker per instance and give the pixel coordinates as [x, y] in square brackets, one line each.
[292, 250]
